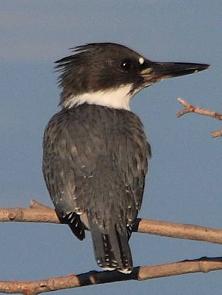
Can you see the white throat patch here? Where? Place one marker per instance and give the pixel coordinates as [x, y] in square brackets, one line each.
[118, 98]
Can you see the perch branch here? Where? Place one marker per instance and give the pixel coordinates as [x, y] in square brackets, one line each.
[189, 108]
[40, 213]
[203, 264]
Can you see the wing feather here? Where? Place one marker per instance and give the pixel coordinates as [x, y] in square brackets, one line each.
[93, 154]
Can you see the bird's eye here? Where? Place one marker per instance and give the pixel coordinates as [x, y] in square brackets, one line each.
[126, 65]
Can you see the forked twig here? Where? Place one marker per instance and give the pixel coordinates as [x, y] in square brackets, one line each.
[189, 108]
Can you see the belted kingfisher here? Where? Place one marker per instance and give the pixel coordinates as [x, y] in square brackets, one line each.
[95, 151]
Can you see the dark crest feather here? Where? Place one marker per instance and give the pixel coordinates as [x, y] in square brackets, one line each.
[65, 65]
[79, 50]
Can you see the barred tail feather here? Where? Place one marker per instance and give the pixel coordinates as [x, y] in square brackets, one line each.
[112, 251]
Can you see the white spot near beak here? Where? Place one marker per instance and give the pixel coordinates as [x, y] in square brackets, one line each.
[141, 60]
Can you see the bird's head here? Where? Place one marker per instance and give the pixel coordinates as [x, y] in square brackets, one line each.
[110, 74]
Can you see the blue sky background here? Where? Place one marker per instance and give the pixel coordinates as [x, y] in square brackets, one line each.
[184, 183]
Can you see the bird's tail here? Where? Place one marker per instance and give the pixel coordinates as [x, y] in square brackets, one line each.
[112, 251]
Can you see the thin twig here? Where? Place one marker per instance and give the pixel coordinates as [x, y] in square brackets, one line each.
[216, 133]
[203, 264]
[38, 212]
[189, 108]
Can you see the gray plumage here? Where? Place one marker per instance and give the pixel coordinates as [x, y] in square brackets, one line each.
[95, 162]
[95, 153]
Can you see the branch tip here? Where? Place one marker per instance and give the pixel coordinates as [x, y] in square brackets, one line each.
[189, 108]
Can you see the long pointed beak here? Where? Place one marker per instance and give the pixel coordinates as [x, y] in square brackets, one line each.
[162, 70]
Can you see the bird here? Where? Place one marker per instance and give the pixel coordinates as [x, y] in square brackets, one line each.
[95, 150]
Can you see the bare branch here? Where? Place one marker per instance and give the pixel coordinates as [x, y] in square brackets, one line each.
[40, 213]
[35, 213]
[203, 264]
[180, 231]
[216, 133]
[189, 108]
